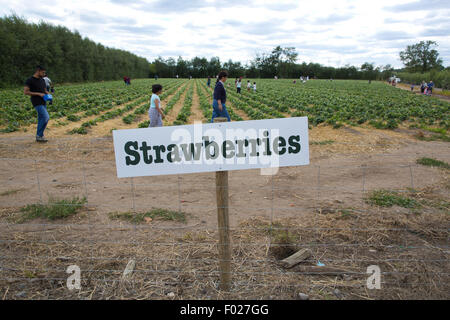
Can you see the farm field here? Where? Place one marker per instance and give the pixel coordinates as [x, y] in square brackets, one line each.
[365, 143]
[336, 103]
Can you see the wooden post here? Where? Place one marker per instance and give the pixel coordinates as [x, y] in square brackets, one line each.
[224, 226]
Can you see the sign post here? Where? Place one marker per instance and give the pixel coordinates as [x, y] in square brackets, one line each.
[223, 225]
[213, 147]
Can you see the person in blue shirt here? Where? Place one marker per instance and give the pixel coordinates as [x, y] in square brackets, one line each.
[220, 98]
[430, 88]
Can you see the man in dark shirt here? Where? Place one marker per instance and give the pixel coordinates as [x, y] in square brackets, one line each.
[220, 98]
[35, 88]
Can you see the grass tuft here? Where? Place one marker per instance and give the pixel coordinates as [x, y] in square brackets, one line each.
[433, 163]
[139, 217]
[10, 192]
[53, 210]
[386, 198]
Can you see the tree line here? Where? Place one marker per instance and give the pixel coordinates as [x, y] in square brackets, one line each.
[67, 56]
[421, 61]
[281, 62]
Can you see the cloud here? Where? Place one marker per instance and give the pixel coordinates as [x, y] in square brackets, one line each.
[263, 28]
[233, 22]
[333, 18]
[151, 30]
[346, 31]
[334, 48]
[387, 35]
[193, 27]
[394, 20]
[43, 14]
[92, 17]
[180, 6]
[435, 32]
[277, 6]
[420, 5]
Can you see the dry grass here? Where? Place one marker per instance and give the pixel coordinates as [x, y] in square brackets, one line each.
[407, 247]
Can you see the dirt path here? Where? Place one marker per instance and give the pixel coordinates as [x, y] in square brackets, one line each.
[55, 130]
[239, 112]
[196, 112]
[104, 128]
[89, 167]
[172, 116]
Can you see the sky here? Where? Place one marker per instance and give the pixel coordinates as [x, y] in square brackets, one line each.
[332, 33]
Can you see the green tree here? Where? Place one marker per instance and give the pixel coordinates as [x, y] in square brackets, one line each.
[67, 56]
[421, 57]
[369, 71]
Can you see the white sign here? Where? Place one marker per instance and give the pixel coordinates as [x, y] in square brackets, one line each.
[212, 147]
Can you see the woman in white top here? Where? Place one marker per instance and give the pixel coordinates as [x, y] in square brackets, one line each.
[155, 112]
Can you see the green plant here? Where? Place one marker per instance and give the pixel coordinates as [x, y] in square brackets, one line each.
[53, 210]
[139, 217]
[433, 163]
[10, 192]
[386, 198]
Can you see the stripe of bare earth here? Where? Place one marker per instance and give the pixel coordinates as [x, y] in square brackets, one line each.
[196, 112]
[104, 128]
[62, 130]
[172, 115]
[82, 112]
[55, 130]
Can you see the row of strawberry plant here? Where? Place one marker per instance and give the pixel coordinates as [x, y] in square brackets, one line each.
[107, 116]
[185, 111]
[69, 101]
[268, 112]
[253, 113]
[169, 106]
[141, 110]
[205, 103]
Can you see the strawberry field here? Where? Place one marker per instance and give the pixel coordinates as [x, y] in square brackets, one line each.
[79, 108]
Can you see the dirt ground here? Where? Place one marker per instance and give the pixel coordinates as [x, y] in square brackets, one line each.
[321, 207]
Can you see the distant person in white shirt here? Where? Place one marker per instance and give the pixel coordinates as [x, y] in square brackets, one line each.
[48, 82]
[249, 85]
[238, 85]
[254, 86]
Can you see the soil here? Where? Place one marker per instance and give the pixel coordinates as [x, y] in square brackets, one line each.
[172, 115]
[196, 112]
